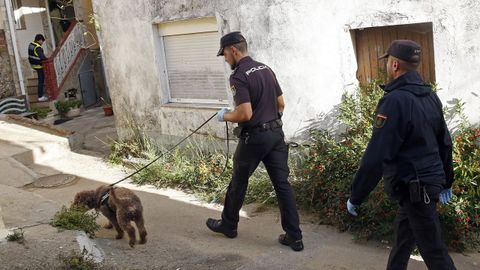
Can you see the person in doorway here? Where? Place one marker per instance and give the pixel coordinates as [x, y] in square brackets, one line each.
[412, 148]
[259, 105]
[35, 57]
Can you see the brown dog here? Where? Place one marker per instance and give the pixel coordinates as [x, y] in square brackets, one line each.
[121, 207]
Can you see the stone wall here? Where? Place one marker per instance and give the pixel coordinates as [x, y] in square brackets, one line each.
[7, 85]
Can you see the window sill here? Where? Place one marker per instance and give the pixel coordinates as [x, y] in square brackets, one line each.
[194, 105]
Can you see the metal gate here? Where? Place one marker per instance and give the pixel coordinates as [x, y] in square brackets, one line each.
[87, 82]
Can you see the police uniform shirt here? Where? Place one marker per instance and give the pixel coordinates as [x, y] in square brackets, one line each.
[256, 83]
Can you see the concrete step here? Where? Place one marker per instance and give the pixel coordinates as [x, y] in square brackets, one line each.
[32, 80]
[46, 104]
[24, 208]
[38, 146]
[32, 97]
[15, 174]
[32, 89]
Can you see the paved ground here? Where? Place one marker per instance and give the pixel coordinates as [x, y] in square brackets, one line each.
[177, 236]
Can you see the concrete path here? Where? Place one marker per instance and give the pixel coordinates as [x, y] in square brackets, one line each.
[177, 235]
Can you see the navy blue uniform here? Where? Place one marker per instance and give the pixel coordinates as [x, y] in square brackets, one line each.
[261, 139]
[410, 140]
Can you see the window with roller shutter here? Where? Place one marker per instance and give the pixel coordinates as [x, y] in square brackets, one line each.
[194, 73]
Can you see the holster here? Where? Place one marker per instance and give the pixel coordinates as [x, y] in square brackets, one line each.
[414, 191]
[237, 131]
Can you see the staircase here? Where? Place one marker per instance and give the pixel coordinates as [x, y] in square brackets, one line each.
[61, 68]
[32, 93]
[64, 62]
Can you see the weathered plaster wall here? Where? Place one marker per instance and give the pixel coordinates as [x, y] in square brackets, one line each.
[7, 86]
[307, 43]
[10, 84]
[2, 16]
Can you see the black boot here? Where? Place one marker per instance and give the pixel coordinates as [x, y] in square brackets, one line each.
[217, 226]
[286, 240]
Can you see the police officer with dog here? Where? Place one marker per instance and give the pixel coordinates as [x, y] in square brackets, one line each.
[412, 148]
[259, 105]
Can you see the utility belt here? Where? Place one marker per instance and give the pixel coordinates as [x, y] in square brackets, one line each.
[245, 131]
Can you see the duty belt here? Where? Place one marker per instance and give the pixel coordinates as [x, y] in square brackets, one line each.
[244, 131]
[269, 125]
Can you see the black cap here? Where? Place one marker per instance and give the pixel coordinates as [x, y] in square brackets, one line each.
[230, 39]
[39, 37]
[406, 50]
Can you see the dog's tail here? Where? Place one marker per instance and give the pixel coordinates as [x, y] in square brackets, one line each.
[131, 212]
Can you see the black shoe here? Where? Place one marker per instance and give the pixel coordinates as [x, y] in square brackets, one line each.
[217, 226]
[286, 240]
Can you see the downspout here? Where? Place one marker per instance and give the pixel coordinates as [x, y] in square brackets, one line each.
[8, 6]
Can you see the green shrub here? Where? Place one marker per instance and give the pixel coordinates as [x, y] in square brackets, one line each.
[461, 219]
[42, 112]
[17, 236]
[76, 219]
[78, 261]
[195, 170]
[331, 163]
[63, 106]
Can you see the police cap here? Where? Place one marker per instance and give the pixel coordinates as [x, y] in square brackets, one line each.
[406, 50]
[230, 39]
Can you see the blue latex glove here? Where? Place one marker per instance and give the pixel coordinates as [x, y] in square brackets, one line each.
[446, 195]
[221, 113]
[352, 208]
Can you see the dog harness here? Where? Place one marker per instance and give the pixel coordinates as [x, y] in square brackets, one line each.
[104, 199]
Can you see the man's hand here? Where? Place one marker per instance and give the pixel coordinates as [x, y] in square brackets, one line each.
[352, 208]
[221, 113]
[446, 195]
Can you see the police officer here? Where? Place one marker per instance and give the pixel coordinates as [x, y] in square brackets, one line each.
[258, 107]
[35, 57]
[412, 148]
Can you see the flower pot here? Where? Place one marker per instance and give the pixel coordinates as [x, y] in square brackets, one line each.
[108, 110]
[74, 112]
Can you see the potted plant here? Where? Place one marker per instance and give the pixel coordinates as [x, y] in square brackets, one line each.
[62, 107]
[107, 107]
[74, 108]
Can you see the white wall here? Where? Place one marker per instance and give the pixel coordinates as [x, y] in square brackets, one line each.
[34, 26]
[307, 43]
[2, 17]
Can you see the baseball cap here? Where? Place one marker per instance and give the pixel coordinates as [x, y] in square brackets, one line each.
[230, 39]
[406, 50]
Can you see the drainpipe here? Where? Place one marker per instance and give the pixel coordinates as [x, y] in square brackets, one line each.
[8, 6]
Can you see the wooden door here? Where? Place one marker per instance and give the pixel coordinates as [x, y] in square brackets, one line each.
[372, 43]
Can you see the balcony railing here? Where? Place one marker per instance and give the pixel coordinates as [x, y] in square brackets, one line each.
[61, 62]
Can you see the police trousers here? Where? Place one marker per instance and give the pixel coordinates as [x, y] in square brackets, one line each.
[418, 223]
[269, 147]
